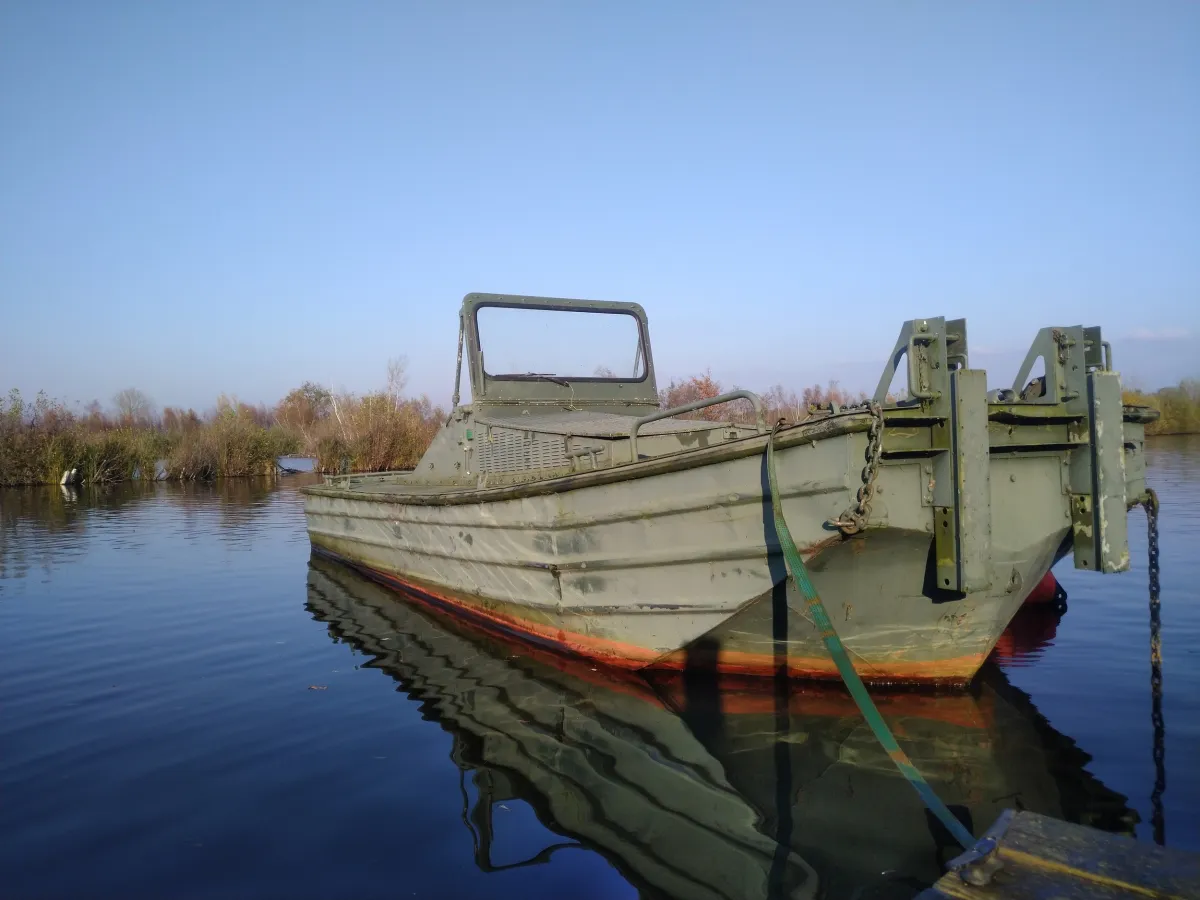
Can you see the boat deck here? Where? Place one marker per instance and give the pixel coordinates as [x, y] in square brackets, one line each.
[596, 423]
[1042, 857]
[376, 484]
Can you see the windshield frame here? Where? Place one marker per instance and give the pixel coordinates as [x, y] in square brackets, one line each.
[643, 342]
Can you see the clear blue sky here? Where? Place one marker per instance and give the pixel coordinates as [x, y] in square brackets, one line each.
[230, 196]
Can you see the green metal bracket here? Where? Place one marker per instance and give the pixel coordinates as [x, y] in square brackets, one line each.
[1068, 353]
[933, 348]
[1080, 387]
[1097, 481]
[962, 490]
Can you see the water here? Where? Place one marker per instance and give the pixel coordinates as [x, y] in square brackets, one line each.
[191, 707]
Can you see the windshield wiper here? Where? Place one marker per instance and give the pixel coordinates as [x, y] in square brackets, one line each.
[547, 376]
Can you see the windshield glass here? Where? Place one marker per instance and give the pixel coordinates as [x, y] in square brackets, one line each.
[557, 343]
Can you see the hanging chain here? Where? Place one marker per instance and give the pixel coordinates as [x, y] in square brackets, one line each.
[854, 519]
[1157, 819]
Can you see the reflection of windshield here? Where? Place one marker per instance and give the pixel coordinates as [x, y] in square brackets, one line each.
[558, 343]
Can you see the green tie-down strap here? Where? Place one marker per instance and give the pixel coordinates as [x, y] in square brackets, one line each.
[845, 668]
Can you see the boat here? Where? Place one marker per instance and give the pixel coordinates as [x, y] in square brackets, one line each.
[564, 505]
[702, 785]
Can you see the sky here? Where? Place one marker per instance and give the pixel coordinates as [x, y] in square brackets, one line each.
[239, 197]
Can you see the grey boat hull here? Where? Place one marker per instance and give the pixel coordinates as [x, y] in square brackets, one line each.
[638, 573]
[578, 515]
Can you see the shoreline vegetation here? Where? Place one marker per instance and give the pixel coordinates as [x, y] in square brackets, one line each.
[1178, 407]
[42, 439]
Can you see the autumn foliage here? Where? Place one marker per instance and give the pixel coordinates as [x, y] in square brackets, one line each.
[40, 440]
[781, 403]
[1178, 407]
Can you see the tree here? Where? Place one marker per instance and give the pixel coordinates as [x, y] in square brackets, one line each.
[397, 378]
[698, 387]
[304, 410]
[818, 397]
[784, 404]
[94, 417]
[133, 407]
[304, 406]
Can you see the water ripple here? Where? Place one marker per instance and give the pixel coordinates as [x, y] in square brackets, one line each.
[176, 723]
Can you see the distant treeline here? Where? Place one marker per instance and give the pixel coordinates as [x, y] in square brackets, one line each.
[42, 439]
[780, 402]
[1178, 407]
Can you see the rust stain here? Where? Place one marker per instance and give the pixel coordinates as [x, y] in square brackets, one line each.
[952, 671]
[740, 695]
[955, 671]
[754, 695]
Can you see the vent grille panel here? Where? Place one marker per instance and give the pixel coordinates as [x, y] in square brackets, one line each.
[505, 450]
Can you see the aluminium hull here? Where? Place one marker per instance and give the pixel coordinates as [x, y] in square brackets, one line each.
[673, 563]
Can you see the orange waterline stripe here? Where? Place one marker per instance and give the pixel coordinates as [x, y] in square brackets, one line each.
[623, 655]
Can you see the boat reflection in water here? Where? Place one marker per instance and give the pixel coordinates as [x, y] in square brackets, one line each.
[1031, 631]
[698, 786]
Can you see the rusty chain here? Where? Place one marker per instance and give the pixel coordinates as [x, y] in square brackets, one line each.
[854, 519]
[1157, 819]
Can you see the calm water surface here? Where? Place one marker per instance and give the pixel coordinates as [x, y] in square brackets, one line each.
[190, 706]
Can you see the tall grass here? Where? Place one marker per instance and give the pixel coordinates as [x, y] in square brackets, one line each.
[229, 447]
[375, 433]
[42, 440]
[1178, 407]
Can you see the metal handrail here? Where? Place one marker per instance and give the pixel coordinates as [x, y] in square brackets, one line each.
[755, 400]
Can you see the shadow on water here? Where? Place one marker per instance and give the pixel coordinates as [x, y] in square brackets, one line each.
[781, 760]
[699, 785]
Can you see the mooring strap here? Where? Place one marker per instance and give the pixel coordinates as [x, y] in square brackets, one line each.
[845, 667]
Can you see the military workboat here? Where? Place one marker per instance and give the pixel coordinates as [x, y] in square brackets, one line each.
[565, 506]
